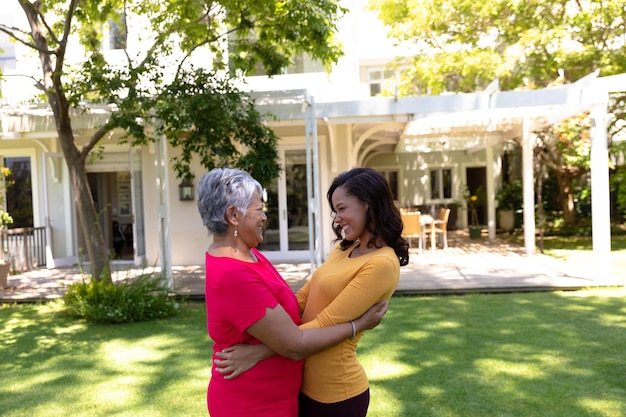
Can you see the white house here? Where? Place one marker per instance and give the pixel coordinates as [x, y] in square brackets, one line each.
[428, 147]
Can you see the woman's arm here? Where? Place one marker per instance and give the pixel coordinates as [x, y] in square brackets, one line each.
[237, 359]
[280, 335]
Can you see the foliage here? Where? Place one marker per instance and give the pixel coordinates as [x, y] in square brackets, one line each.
[510, 196]
[5, 217]
[570, 142]
[565, 148]
[464, 46]
[618, 184]
[138, 299]
[473, 200]
[266, 32]
[202, 114]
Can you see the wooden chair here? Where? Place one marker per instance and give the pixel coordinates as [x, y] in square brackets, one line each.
[412, 227]
[441, 226]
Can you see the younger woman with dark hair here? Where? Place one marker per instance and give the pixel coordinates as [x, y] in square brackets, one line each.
[361, 271]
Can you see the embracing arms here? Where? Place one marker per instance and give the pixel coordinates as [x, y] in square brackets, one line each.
[281, 336]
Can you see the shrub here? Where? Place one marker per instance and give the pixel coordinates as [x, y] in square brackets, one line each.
[138, 299]
[510, 196]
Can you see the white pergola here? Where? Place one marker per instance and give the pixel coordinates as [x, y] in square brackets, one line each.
[519, 113]
[469, 122]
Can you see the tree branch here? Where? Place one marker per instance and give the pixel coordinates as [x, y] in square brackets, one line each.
[67, 28]
[9, 31]
[95, 138]
[38, 83]
[45, 24]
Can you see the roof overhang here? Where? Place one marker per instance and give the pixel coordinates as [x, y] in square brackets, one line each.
[450, 122]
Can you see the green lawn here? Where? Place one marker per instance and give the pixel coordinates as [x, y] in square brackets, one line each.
[526, 354]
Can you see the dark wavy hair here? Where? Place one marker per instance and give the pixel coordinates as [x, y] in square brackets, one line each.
[383, 217]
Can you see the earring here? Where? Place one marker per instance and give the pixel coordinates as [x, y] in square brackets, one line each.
[235, 234]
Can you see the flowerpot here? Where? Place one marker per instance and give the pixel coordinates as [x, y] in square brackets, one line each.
[475, 232]
[4, 274]
[507, 220]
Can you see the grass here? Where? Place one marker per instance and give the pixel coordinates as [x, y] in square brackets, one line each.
[526, 354]
[537, 354]
[52, 365]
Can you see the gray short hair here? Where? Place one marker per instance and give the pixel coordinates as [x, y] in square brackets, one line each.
[223, 187]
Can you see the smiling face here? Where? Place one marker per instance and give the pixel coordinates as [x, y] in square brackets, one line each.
[351, 215]
[250, 227]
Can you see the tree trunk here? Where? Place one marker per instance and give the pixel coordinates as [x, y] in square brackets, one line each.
[567, 198]
[97, 252]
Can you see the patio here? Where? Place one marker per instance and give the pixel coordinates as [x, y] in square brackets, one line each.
[467, 265]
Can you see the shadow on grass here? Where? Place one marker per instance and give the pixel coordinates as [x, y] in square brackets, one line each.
[536, 354]
[527, 354]
[54, 365]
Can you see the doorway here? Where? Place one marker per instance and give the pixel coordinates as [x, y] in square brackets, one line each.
[476, 180]
[112, 196]
[286, 234]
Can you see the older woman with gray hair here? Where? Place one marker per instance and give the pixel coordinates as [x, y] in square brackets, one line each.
[248, 302]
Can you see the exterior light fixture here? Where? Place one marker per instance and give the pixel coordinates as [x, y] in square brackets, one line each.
[185, 191]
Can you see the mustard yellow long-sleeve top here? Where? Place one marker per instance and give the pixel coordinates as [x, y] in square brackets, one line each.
[341, 289]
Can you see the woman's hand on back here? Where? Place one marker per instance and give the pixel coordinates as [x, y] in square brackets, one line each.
[372, 317]
[237, 359]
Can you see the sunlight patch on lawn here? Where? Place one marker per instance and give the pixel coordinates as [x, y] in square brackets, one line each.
[386, 403]
[75, 328]
[431, 391]
[438, 325]
[124, 353]
[386, 370]
[615, 320]
[491, 367]
[120, 391]
[602, 407]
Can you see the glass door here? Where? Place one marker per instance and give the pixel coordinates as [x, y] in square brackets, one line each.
[297, 207]
[286, 235]
[139, 243]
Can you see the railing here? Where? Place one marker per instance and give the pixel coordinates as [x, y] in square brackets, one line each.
[24, 247]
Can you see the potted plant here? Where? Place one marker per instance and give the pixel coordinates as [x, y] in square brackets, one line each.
[473, 200]
[510, 200]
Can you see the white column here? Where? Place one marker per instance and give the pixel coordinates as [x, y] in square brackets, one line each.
[160, 160]
[600, 196]
[313, 187]
[528, 186]
[490, 193]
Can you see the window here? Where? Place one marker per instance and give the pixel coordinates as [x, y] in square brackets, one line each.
[392, 179]
[7, 51]
[302, 63]
[440, 183]
[118, 33]
[377, 78]
[19, 191]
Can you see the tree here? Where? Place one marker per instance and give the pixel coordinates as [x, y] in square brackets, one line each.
[264, 32]
[464, 45]
[565, 148]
